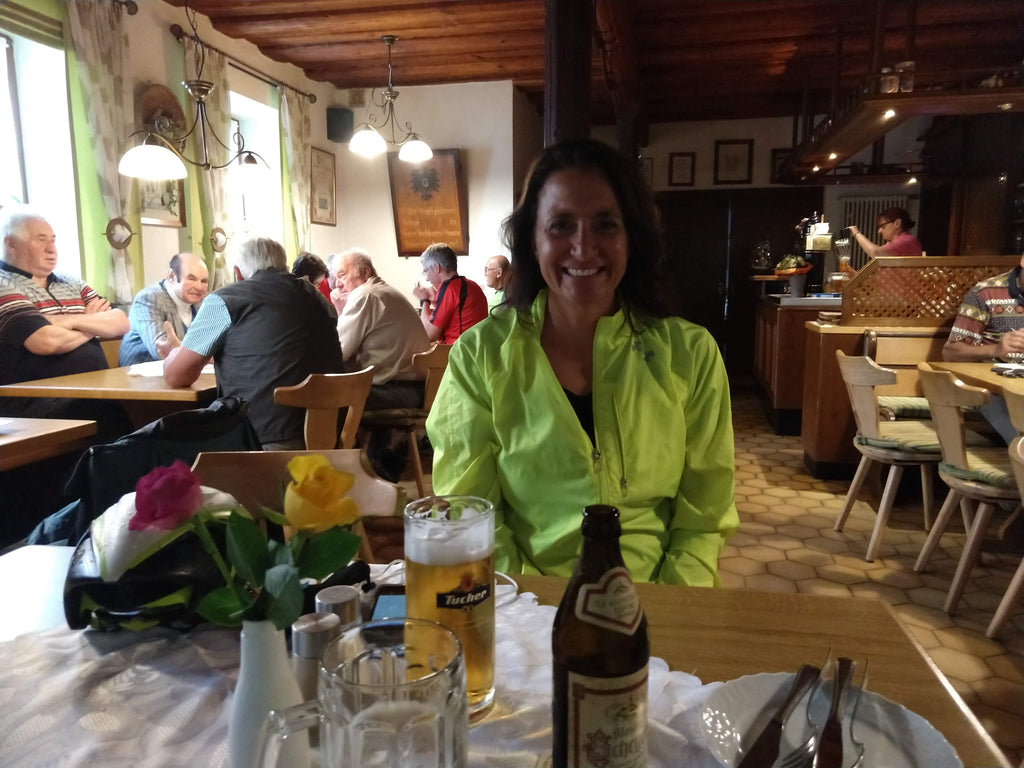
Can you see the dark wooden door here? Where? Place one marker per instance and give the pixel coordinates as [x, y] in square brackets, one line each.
[710, 237]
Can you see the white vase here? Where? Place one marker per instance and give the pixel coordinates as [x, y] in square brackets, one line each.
[265, 682]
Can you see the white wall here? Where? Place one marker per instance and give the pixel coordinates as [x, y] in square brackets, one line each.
[476, 119]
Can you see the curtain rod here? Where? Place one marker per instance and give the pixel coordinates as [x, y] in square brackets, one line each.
[179, 33]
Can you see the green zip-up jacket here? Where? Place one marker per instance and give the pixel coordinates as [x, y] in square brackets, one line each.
[502, 428]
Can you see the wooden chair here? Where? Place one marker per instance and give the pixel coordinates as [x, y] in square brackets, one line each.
[432, 364]
[1011, 598]
[322, 394]
[256, 479]
[896, 443]
[979, 473]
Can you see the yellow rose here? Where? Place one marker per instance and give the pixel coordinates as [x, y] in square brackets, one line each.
[315, 499]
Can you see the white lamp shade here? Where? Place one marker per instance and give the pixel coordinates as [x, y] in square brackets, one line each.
[366, 142]
[415, 150]
[153, 162]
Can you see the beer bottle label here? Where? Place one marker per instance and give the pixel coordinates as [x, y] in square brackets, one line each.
[611, 603]
[607, 721]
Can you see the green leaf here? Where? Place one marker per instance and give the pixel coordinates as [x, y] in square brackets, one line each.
[280, 554]
[247, 549]
[222, 606]
[325, 553]
[284, 592]
[274, 516]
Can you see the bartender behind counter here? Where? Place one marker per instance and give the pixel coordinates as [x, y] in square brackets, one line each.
[893, 225]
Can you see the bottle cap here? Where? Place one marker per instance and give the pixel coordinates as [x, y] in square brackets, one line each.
[343, 600]
[311, 633]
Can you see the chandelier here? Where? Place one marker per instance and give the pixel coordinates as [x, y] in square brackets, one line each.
[160, 153]
[367, 140]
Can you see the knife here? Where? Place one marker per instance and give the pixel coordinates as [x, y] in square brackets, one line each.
[765, 750]
[830, 750]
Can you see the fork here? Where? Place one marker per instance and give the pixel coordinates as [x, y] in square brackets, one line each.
[802, 756]
[859, 745]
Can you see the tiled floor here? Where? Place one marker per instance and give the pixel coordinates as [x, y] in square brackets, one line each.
[785, 543]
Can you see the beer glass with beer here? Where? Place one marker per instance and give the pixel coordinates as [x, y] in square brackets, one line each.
[386, 696]
[449, 578]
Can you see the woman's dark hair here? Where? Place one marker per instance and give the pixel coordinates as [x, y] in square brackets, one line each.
[895, 212]
[644, 289]
[309, 266]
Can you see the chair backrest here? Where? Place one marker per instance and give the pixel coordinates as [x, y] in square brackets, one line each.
[256, 479]
[861, 375]
[432, 363]
[901, 350]
[322, 394]
[947, 396]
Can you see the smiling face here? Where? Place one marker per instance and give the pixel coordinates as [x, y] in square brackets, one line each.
[36, 253]
[192, 282]
[580, 240]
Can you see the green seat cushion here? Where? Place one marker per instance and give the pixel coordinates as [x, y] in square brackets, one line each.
[984, 465]
[893, 407]
[906, 435]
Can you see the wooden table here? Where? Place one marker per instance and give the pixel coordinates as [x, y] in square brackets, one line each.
[112, 384]
[721, 634]
[145, 398]
[23, 441]
[981, 375]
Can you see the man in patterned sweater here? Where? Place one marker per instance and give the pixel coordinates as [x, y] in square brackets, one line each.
[990, 326]
[50, 324]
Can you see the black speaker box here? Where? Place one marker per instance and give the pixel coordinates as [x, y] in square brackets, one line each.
[339, 124]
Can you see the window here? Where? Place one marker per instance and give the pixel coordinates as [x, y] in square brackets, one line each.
[36, 163]
[257, 205]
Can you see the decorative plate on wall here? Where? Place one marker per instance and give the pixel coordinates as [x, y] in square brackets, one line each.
[119, 233]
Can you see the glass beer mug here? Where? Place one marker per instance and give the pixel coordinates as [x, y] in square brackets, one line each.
[389, 695]
[449, 578]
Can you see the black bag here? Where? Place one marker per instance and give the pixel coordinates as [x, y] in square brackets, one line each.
[105, 473]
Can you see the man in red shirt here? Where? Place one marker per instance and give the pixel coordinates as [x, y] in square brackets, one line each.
[453, 303]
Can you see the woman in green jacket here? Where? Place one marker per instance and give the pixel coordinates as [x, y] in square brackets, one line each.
[587, 387]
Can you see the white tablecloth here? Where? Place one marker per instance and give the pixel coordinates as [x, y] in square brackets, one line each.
[160, 698]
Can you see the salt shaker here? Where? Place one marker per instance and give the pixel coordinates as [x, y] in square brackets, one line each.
[342, 600]
[311, 633]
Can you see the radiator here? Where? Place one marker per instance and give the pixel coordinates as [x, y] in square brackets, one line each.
[863, 213]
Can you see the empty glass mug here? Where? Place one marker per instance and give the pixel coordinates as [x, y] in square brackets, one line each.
[449, 578]
[390, 694]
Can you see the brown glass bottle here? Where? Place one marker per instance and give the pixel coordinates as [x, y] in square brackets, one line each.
[600, 652]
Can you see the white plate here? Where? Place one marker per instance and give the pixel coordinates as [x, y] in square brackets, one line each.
[893, 736]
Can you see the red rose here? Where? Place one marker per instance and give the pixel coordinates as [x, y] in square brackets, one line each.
[165, 498]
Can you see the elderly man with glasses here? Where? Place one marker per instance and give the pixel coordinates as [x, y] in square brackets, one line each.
[452, 303]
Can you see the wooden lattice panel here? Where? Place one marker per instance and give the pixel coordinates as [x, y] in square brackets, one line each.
[916, 291]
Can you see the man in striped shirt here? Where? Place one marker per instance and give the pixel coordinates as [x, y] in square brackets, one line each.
[50, 324]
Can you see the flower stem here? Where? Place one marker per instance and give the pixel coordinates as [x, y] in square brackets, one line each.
[211, 549]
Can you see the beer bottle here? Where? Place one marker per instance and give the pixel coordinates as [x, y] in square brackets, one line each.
[600, 648]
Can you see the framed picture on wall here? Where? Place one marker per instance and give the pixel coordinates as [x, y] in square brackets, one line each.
[681, 168]
[429, 202]
[733, 161]
[162, 203]
[323, 206]
[779, 158]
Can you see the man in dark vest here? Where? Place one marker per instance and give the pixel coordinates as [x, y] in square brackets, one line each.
[269, 329]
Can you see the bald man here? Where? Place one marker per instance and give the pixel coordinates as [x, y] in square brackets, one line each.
[162, 313]
[497, 274]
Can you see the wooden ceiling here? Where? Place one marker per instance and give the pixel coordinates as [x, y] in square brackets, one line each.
[675, 60]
